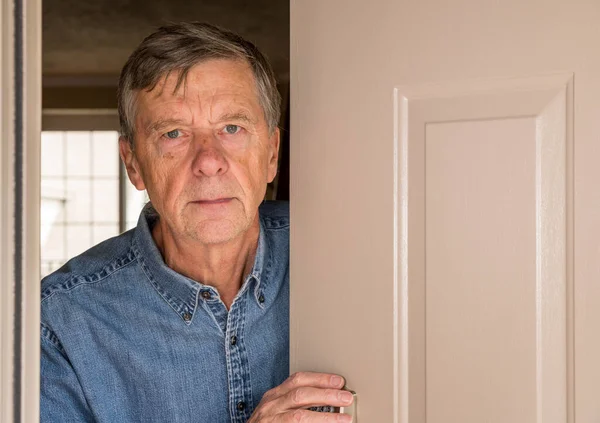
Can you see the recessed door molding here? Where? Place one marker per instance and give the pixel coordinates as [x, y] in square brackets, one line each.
[440, 147]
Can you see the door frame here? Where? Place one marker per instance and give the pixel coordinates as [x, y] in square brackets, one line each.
[20, 128]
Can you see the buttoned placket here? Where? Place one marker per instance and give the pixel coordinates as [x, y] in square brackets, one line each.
[188, 298]
[238, 370]
[232, 327]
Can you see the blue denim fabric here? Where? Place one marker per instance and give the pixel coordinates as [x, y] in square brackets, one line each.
[127, 339]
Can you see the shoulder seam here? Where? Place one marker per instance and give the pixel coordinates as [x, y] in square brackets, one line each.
[77, 280]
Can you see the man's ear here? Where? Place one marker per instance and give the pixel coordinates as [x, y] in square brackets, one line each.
[274, 142]
[131, 164]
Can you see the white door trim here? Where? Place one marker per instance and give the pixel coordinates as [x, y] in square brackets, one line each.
[6, 213]
[20, 123]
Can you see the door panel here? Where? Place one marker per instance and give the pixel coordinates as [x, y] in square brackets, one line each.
[487, 172]
[491, 358]
[445, 212]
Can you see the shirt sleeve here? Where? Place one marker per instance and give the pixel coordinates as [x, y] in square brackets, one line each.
[61, 396]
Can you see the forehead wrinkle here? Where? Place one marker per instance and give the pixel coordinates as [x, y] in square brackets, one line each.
[229, 106]
[201, 98]
[172, 113]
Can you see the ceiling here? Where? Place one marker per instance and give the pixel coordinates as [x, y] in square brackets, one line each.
[85, 43]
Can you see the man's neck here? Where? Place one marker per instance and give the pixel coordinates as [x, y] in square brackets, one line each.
[222, 266]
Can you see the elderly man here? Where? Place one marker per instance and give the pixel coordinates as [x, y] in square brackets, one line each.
[185, 317]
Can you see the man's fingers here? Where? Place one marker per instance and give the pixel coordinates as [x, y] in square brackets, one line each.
[306, 416]
[305, 397]
[289, 401]
[317, 380]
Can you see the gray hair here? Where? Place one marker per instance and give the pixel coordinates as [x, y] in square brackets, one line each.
[177, 48]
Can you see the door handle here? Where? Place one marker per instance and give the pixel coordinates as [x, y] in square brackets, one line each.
[351, 410]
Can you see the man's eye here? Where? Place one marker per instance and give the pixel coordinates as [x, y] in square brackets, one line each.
[173, 134]
[232, 129]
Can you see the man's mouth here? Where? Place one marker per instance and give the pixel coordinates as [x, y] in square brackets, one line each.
[209, 202]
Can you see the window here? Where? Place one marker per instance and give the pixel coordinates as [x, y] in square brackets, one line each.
[86, 198]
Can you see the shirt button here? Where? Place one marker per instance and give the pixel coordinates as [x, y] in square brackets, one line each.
[187, 316]
[241, 406]
[261, 298]
[206, 295]
[233, 340]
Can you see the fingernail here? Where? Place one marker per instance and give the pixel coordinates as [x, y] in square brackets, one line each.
[345, 396]
[336, 380]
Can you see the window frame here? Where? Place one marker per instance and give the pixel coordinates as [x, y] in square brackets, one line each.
[89, 120]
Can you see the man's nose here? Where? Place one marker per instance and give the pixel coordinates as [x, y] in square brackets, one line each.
[209, 158]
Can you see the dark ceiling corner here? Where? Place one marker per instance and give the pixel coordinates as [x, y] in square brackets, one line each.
[85, 44]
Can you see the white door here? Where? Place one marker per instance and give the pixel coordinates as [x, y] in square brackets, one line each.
[445, 206]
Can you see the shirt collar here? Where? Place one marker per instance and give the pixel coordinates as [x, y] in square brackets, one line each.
[181, 292]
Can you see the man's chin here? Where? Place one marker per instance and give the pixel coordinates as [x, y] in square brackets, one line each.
[215, 231]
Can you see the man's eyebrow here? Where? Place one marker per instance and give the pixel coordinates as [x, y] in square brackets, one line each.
[237, 116]
[160, 124]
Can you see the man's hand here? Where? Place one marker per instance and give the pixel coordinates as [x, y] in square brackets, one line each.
[289, 401]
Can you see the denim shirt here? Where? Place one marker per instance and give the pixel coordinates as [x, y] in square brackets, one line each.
[125, 338]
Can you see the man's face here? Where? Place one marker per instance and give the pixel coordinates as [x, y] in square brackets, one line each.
[204, 152]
